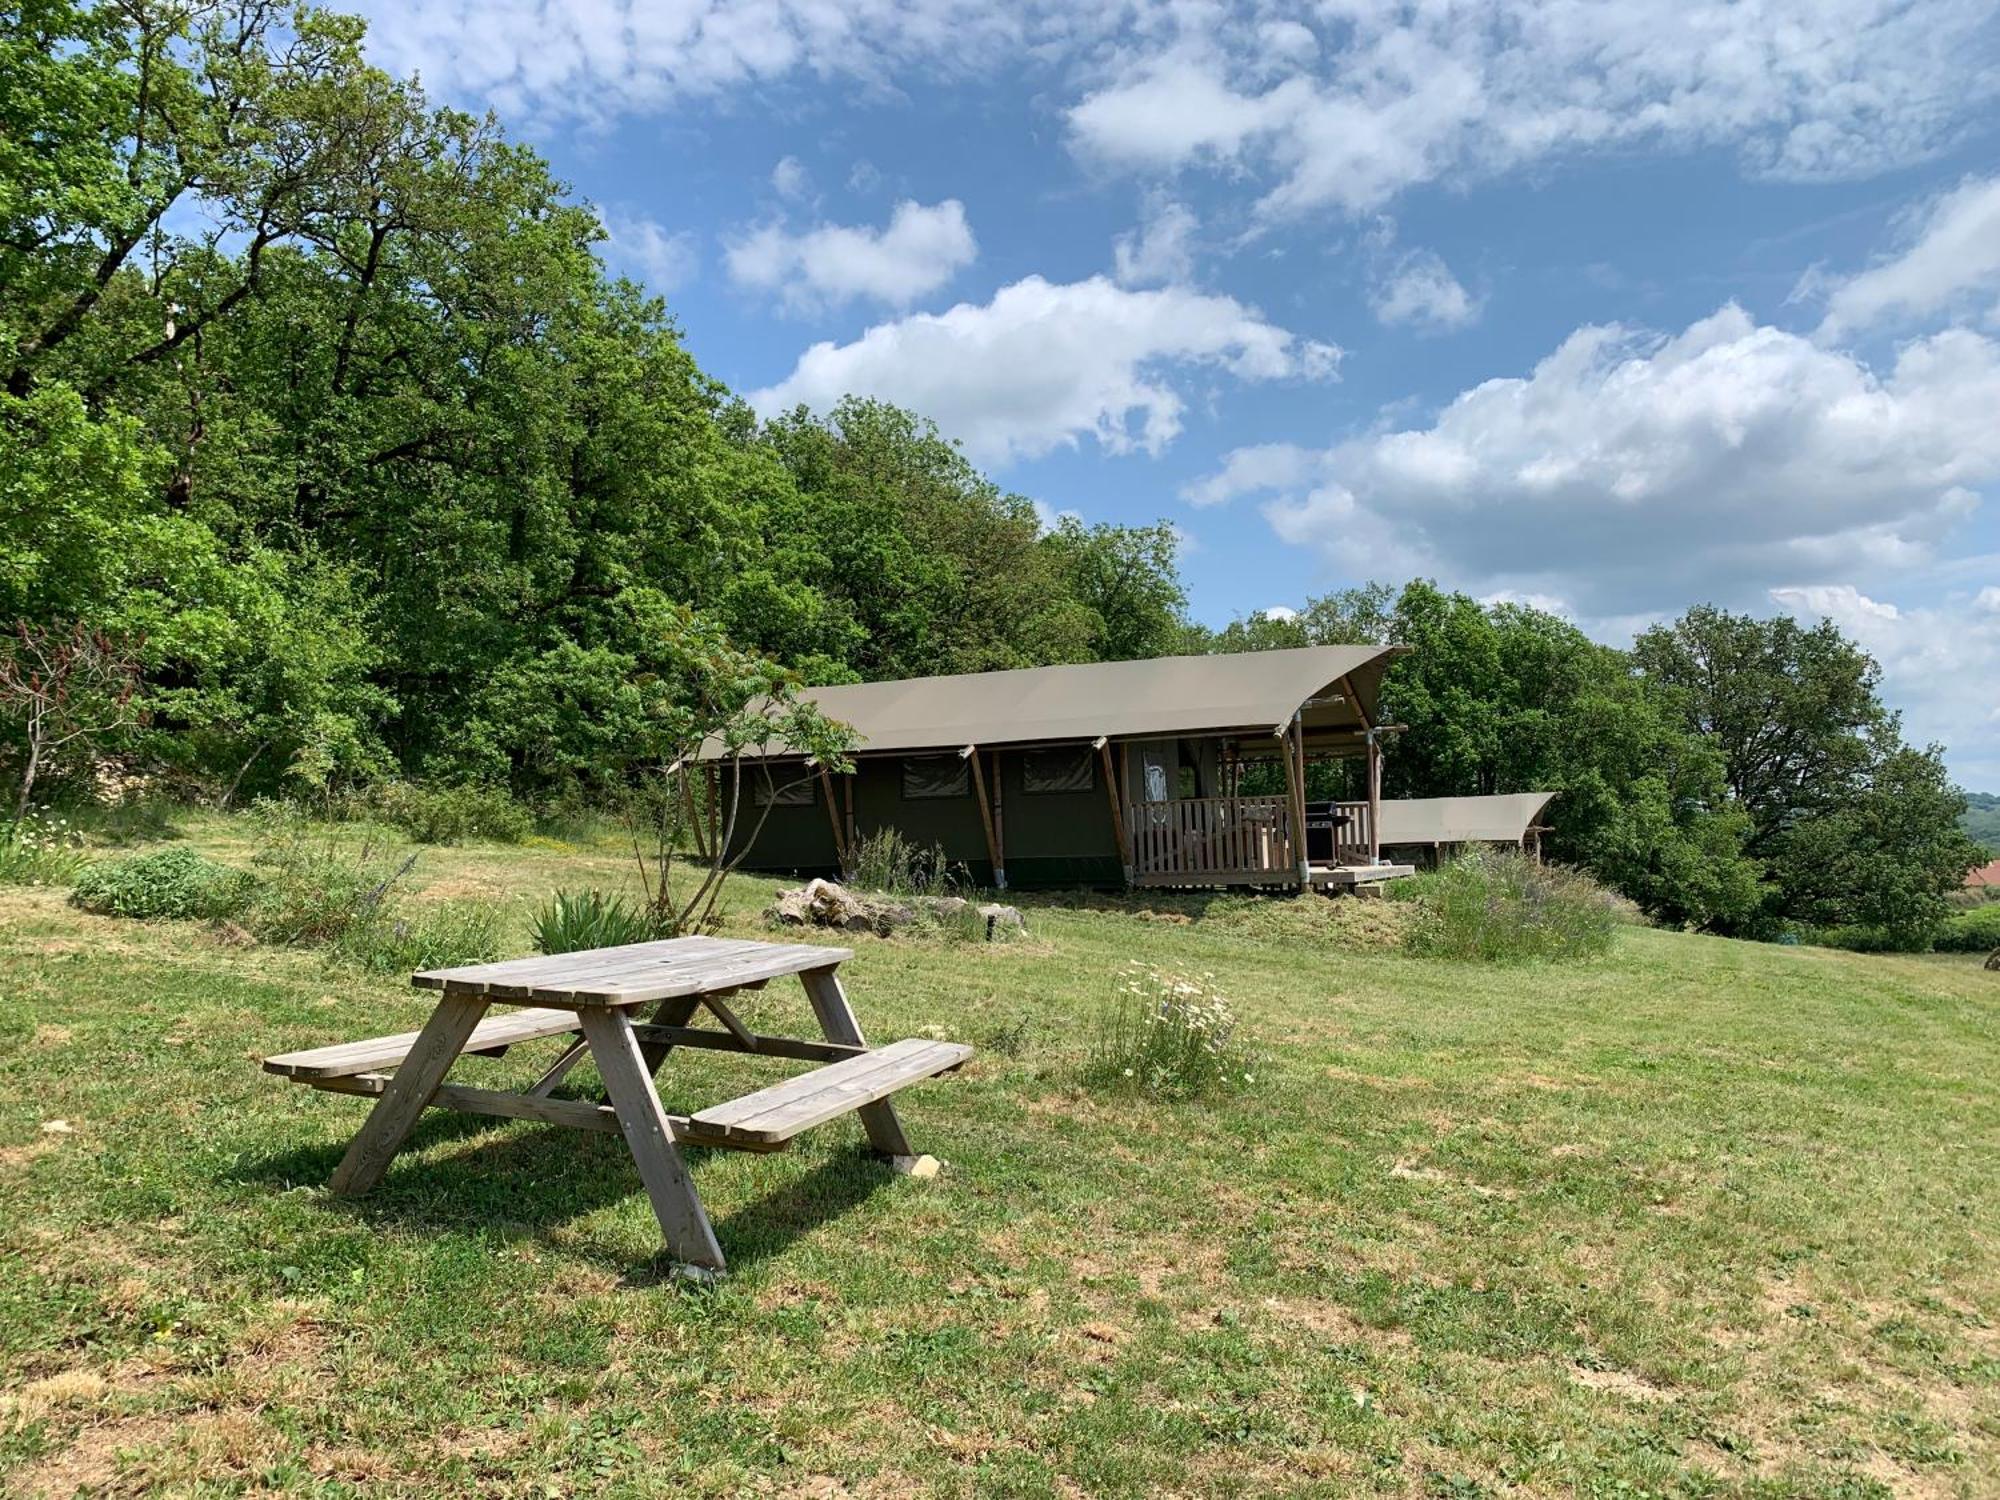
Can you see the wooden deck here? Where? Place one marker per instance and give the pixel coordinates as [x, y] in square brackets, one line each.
[1195, 842]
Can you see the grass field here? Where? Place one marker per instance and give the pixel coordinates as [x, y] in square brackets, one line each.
[1703, 1218]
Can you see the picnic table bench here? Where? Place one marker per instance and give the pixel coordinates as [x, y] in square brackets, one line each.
[592, 997]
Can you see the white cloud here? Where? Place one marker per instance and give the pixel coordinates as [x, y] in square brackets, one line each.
[1952, 262]
[599, 60]
[646, 251]
[790, 179]
[1419, 290]
[1048, 518]
[1263, 466]
[1940, 664]
[1419, 93]
[1043, 365]
[919, 250]
[1160, 250]
[1280, 612]
[1629, 472]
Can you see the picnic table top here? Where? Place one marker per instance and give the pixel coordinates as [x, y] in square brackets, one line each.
[634, 973]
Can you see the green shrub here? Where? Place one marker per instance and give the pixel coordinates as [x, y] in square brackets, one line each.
[428, 937]
[1974, 931]
[40, 850]
[1499, 906]
[176, 882]
[452, 814]
[321, 883]
[575, 920]
[885, 861]
[1169, 1035]
[1855, 938]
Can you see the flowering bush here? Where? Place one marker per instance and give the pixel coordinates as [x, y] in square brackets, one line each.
[1169, 1034]
[40, 850]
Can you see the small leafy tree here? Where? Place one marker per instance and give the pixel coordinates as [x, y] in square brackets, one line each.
[63, 687]
[713, 713]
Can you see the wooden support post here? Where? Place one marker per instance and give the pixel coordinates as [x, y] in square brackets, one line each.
[1295, 785]
[971, 753]
[408, 1094]
[1375, 796]
[836, 1020]
[650, 1135]
[833, 817]
[1000, 818]
[1117, 810]
[847, 799]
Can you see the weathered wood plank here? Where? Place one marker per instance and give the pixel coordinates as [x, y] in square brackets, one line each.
[637, 974]
[408, 1093]
[774, 1115]
[650, 1135]
[836, 1019]
[380, 1052]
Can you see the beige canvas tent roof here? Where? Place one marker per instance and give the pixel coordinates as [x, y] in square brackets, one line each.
[1462, 820]
[1256, 692]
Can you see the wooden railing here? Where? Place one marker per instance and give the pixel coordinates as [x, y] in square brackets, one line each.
[1351, 839]
[1211, 837]
[1230, 839]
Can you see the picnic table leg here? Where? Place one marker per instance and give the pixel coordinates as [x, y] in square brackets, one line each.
[629, 1082]
[836, 1019]
[675, 1012]
[407, 1095]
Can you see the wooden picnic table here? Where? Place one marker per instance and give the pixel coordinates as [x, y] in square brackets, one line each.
[592, 997]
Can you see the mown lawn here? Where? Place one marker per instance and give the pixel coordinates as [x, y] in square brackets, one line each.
[1702, 1218]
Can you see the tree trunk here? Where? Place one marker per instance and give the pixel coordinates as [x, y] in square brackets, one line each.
[27, 785]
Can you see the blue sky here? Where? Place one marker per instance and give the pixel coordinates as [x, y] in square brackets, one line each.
[1612, 305]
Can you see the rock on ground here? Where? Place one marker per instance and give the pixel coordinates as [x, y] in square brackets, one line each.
[827, 903]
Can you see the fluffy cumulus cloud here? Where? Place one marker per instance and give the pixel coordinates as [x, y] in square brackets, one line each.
[1941, 658]
[1044, 365]
[1630, 472]
[642, 249]
[1951, 264]
[919, 250]
[1388, 96]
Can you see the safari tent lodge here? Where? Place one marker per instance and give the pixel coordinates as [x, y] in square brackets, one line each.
[1106, 774]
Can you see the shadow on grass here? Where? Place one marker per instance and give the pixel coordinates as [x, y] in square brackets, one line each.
[523, 1178]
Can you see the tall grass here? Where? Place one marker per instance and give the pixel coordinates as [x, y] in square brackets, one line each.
[886, 861]
[41, 849]
[1169, 1034]
[1499, 906]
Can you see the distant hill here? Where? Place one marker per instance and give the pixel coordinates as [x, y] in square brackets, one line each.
[1982, 818]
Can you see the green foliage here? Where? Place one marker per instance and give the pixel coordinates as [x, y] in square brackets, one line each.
[573, 921]
[1498, 906]
[1888, 855]
[41, 849]
[1981, 821]
[1976, 930]
[451, 815]
[1169, 1034]
[886, 861]
[421, 937]
[392, 478]
[176, 882]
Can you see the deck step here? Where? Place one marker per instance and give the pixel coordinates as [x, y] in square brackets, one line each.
[772, 1116]
[349, 1058]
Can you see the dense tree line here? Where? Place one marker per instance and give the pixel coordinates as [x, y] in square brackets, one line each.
[319, 392]
[1735, 774]
[316, 401]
